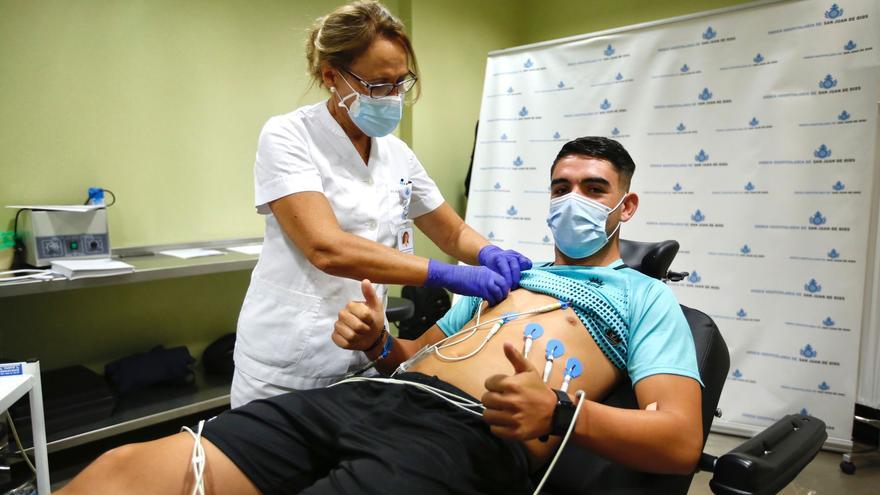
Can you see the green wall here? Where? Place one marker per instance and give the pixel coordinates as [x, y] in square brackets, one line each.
[161, 101]
[452, 39]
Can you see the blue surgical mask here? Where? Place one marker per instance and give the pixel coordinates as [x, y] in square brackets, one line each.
[578, 224]
[375, 117]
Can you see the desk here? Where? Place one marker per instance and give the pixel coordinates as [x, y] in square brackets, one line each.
[149, 265]
[25, 378]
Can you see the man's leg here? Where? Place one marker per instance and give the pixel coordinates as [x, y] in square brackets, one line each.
[161, 466]
[413, 442]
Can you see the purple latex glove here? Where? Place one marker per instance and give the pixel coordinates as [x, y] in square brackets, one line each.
[467, 280]
[507, 263]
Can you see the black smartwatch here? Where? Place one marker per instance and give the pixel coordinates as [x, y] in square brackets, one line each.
[562, 415]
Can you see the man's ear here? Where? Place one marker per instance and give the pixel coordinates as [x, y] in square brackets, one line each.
[629, 206]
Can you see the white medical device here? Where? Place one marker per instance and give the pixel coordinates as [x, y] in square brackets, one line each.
[50, 235]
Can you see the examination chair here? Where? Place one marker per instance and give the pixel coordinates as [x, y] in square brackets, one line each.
[764, 464]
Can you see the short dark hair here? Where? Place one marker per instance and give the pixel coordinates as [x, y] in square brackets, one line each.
[603, 149]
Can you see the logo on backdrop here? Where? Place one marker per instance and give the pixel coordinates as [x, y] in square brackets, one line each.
[603, 107]
[509, 91]
[822, 154]
[616, 133]
[705, 97]
[819, 221]
[752, 125]
[696, 280]
[739, 376]
[842, 118]
[676, 189]
[812, 289]
[698, 219]
[822, 388]
[744, 251]
[828, 84]
[517, 164]
[829, 16]
[834, 12]
[608, 53]
[848, 48]
[495, 188]
[678, 71]
[679, 130]
[527, 65]
[838, 188]
[524, 113]
[554, 138]
[741, 315]
[510, 213]
[828, 324]
[747, 188]
[805, 354]
[831, 255]
[617, 78]
[502, 138]
[701, 159]
[808, 352]
[555, 88]
[710, 36]
[758, 60]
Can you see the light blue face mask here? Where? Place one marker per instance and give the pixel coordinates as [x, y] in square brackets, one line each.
[375, 117]
[578, 224]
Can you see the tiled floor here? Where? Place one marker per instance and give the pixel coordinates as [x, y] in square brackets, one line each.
[820, 477]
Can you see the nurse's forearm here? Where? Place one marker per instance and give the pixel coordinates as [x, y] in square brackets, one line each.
[309, 221]
[351, 256]
[449, 232]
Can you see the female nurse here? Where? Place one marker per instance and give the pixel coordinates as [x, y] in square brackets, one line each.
[339, 194]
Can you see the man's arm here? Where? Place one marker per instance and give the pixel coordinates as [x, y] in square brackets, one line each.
[667, 439]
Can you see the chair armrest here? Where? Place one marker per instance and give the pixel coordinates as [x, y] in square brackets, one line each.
[767, 462]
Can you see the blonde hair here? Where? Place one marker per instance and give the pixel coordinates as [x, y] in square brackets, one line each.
[341, 36]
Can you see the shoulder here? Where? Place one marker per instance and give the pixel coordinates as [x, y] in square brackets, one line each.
[291, 124]
[644, 285]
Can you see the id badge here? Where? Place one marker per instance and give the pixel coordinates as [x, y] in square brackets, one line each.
[405, 238]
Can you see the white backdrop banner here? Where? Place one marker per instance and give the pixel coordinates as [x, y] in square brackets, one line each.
[753, 135]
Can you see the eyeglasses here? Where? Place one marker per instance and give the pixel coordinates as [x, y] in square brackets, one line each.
[385, 89]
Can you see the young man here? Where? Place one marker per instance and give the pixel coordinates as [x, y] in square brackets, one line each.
[423, 431]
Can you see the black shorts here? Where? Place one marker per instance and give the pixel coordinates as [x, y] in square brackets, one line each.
[369, 437]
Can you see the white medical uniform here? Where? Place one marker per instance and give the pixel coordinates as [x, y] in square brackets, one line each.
[287, 318]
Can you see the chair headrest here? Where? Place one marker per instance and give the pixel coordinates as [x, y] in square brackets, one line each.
[651, 258]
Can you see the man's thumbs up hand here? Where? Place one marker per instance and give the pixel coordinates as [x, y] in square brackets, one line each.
[360, 323]
[518, 406]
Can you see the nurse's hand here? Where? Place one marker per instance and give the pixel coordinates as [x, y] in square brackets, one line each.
[468, 280]
[361, 322]
[507, 263]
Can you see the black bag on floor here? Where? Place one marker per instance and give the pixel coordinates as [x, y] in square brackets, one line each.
[159, 365]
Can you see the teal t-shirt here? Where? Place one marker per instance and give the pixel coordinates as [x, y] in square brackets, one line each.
[634, 319]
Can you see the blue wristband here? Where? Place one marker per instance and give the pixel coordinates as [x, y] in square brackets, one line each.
[386, 349]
